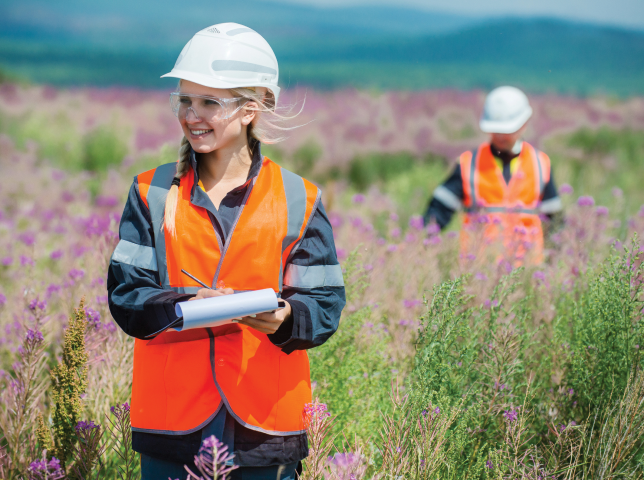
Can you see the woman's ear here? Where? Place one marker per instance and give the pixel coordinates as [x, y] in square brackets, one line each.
[250, 111]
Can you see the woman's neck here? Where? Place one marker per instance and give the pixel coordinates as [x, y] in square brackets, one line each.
[228, 165]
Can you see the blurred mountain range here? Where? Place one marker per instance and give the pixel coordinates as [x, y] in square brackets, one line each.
[131, 43]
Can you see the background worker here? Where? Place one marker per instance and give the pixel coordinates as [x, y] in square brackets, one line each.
[505, 184]
[238, 221]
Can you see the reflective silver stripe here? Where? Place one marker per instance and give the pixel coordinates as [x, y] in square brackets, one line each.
[552, 205]
[161, 182]
[313, 276]
[135, 255]
[236, 65]
[295, 193]
[237, 31]
[447, 198]
[529, 211]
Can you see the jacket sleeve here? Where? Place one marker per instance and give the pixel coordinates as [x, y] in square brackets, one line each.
[314, 288]
[136, 300]
[446, 200]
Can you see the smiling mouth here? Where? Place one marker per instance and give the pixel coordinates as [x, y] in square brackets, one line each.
[196, 133]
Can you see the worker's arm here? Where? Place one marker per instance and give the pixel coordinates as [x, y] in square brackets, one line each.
[446, 200]
[136, 300]
[551, 207]
[314, 288]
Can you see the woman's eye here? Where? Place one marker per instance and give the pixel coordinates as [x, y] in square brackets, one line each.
[185, 100]
[209, 102]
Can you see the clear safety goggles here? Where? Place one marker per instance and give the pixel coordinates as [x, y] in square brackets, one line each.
[203, 107]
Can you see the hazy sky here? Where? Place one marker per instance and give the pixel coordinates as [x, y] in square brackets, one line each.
[628, 13]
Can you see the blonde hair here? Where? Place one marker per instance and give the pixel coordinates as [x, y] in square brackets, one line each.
[261, 129]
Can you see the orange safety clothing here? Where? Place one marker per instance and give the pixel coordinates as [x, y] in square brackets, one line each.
[181, 379]
[503, 213]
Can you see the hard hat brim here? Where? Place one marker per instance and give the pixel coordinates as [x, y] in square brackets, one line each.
[209, 81]
[509, 126]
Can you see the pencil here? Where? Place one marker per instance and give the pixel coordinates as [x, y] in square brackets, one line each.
[196, 280]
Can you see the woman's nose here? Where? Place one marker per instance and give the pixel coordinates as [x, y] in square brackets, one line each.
[191, 115]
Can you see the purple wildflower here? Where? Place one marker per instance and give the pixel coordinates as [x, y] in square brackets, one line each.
[76, 274]
[56, 255]
[28, 238]
[489, 464]
[358, 198]
[416, 221]
[24, 261]
[511, 415]
[6, 261]
[392, 248]
[601, 211]
[34, 336]
[585, 201]
[3, 299]
[565, 189]
[395, 232]
[433, 229]
[84, 426]
[106, 201]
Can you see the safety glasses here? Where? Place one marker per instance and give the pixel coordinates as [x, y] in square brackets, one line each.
[203, 107]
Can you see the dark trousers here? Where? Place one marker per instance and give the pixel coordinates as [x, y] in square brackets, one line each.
[156, 469]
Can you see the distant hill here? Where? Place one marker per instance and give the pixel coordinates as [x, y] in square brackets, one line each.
[74, 42]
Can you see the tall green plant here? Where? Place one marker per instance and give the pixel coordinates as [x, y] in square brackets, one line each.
[603, 338]
[352, 372]
[69, 383]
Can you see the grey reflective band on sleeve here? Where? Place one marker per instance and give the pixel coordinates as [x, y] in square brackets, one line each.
[135, 255]
[552, 205]
[157, 193]
[315, 276]
[447, 198]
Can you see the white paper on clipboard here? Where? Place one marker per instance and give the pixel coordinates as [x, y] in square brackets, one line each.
[217, 311]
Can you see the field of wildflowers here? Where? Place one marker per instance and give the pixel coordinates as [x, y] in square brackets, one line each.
[444, 366]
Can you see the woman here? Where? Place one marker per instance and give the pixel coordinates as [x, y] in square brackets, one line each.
[236, 220]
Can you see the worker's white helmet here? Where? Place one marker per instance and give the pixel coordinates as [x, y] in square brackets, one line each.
[228, 55]
[506, 110]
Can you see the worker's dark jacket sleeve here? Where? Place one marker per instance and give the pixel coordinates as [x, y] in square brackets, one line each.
[446, 200]
[316, 311]
[136, 300]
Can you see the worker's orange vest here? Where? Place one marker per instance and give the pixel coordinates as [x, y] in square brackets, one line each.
[500, 213]
[181, 379]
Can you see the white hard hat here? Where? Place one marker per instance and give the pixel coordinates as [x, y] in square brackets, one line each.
[228, 55]
[506, 110]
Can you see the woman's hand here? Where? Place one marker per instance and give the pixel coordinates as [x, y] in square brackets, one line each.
[267, 322]
[208, 292]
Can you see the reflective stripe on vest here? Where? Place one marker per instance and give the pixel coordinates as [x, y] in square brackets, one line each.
[513, 205]
[181, 379]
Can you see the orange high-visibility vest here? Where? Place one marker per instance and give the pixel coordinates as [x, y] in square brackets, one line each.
[503, 213]
[182, 379]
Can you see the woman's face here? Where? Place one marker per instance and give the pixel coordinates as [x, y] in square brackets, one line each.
[206, 134]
